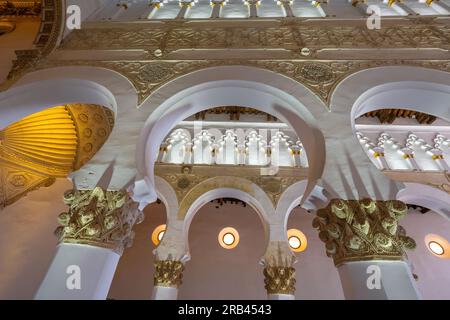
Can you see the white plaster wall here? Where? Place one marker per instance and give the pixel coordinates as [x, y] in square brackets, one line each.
[434, 278]
[27, 243]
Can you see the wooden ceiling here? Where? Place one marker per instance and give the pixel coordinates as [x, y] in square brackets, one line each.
[389, 115]
[233, 112]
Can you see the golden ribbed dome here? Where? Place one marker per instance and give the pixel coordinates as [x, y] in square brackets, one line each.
[47, 138]
[49, 144]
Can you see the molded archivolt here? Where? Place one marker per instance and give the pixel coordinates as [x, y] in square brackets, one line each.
[49, 144]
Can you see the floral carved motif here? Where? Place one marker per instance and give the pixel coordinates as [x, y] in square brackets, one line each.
[168, 273]
[99, 218]
[355, 230]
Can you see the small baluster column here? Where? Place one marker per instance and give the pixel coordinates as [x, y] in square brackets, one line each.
[184, 7]
[401, 5]
[378, 153]
[252, 7]
[287, 7]
[438, 156]
[361, 5]
[439, 6]
[216, 8]
[408, 155]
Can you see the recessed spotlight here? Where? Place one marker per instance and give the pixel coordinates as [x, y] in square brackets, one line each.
[297, 240]
[158, 234]
[438, 246]
[228, 238]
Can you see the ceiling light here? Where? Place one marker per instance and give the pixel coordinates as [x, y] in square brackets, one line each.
[158, 234]
[228, 238]
[438, 246]
[297, 240]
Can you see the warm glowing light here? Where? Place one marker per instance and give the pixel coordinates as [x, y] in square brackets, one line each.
[228, 238]
[438, 246]
[294, 242]
[297, 240]
[158, 234]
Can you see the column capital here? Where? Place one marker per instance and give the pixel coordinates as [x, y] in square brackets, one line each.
[168, 273]
[100, 218]
[279, 273]
[358, 230]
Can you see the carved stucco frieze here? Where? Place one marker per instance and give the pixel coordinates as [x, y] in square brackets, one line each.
[99, 218]
[186, 178]
[321, 77]
[357, 230]
[295, 36]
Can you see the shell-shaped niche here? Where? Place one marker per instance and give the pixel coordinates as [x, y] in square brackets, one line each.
[57, 140]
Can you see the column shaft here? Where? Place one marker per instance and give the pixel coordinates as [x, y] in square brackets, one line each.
[94, 266]
[378, 280]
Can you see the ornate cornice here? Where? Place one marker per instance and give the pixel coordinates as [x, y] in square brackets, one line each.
[168, 273]
[99, 218]
[320, 76]
[356, 230]
[289, 34]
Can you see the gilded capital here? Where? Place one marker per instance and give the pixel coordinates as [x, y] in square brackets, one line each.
[279, 273]
[168, 273]
[99, 218]
[356, 230]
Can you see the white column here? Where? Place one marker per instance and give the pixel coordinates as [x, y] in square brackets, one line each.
[361, 6]
[185, 5]
[322, 6]
[296, 150]
[92, 235]
[360, 280]
[439, 6]
[164, 293]
[253, 7]
[408, 154]
[405, 8]
[280, 296]
[286, 4]
[162, 152]
[217, 7]
[379, 155]
[95, 267]
[188, 158]
[438, 156]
